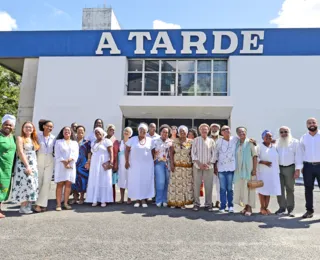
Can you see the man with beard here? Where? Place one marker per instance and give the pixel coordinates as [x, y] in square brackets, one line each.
[215, 135]
[290, 161]
[310, 145]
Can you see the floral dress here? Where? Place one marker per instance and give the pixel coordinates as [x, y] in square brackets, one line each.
[25, 188]
[180, 191]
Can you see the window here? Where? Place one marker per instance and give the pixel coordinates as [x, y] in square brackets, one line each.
[178, 77]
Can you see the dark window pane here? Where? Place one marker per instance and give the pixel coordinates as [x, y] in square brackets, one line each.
[168, 65]
[204, 65]
[186, 65]
[135, 65]
[151, 65]
[176, 122]
[151, 82]
[186, 83]
[134, 123]
[220, 65]
[168, 83]
[220, 83]
[204, 84]
[134, 82]
[221, 122]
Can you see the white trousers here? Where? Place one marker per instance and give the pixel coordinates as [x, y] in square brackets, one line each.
[216, 183]
[45, 171]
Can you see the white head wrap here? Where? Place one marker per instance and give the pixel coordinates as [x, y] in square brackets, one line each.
[143, 126]
[129, 129]
[184, 128]
[101, 131]
[10, 118]
[111, 126]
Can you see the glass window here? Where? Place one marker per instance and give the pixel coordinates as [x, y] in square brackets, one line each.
[186, 65]
[186, 83]
[221, 122]
[204, 84]
[175, 122]
[135, 83]
[152, 65]
[168, 65]
[204, 65]
[168, 83]
[220, 65]
[135, 65]
[219, 83]
[151, 82]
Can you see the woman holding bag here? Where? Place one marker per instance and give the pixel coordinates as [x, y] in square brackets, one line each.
[246, 169]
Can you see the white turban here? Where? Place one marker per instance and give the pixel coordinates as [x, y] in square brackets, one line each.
[212, 125]
[143, 126]
[129, 129]
[101, 131]
[184, 128]
[10, 118]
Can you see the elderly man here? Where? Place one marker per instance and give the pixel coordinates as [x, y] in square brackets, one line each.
[290, 161]
[215, 135]
[7, 153]
[203, 157]
[116, 146]
[152, 131]
[310, 145]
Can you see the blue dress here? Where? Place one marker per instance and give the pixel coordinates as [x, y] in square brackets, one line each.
[82, 173]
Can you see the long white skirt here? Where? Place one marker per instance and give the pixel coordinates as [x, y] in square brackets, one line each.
[123, 174]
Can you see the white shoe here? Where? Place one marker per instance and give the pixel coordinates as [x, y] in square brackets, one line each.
[231, 210]
[103, 205]
[25, 210]
[221, 211]
[144, 205]
[158, 205]
[165, 205]
[94, 204]
[137, 205]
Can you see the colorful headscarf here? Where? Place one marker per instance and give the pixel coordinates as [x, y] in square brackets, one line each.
[264, 133]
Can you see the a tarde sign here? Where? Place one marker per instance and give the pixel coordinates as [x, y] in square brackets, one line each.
[203, 43]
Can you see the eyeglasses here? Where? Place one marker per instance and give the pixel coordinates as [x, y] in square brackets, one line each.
[283, 132]
[226, 129]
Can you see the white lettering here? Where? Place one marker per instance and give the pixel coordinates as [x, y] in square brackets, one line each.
[218, 42]
[139, 41]
[199, 44]
[250, 39]
[110, 44]
[163, 36]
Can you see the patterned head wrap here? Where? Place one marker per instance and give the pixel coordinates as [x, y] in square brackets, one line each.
[264, 133]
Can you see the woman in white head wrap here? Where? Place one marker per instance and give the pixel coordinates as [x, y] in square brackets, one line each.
[180, 192]
[123, 172]
[7, 153]
[100, 173]
[139, 162]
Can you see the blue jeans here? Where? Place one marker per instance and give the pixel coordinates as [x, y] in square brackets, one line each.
[162, 181]
[226, 192]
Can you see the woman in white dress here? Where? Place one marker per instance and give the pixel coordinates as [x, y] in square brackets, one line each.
[100, 173]
[122, 171]
[140, 163]
[66, 152]
[268, 172]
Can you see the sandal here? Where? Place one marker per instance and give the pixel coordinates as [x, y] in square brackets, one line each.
[44, 209]
[58, 208]
[67, 207]
[36, 210]
[73, 201]
[80, 202]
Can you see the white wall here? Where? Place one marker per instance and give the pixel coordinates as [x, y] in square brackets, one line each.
[80, 89]
[269, 92]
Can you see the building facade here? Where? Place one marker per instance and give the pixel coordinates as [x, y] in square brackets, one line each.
[260, 79]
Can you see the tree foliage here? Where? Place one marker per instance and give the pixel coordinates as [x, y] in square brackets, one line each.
[9, 92]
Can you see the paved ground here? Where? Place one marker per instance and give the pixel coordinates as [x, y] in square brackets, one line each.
[123, 232]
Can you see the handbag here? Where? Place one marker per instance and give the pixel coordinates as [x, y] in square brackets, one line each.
[254, 183]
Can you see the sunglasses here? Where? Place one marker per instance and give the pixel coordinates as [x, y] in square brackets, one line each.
[283, 132]
[226, 129]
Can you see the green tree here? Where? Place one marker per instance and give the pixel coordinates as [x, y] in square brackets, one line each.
[9, 92]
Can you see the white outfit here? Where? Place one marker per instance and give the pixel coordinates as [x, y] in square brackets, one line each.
[45, 167]
[64, 151]
[100, 180]
[269, 175]
[91, 137]
[291, 154]
[141, 171]
[226, 154]
[123, 172]
[153, 137]
[310, 146]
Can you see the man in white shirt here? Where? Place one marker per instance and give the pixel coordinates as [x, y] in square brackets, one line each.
[310, 145]
[152, 131]
[290, 161]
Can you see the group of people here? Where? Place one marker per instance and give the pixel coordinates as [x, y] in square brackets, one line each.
[175, 167]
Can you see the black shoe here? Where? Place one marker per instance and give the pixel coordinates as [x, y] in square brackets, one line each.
[308, 214]
[280, 212]
[217, 205]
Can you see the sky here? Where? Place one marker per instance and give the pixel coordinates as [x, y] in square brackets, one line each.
[162, 14]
